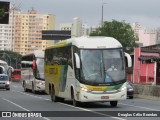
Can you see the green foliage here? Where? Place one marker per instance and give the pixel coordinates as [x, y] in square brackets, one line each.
[12, 58]
[119, 30]
[2, 13]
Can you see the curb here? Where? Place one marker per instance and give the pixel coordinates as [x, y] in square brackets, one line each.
[147, 97]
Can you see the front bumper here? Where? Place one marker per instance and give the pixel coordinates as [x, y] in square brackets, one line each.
[100, 97]
[4, 86]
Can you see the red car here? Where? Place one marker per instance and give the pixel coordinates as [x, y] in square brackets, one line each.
[16, 75]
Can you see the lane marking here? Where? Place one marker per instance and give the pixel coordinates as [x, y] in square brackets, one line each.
[72, 106]
[15, 104]
[31, 95]
[22, 107]
[16, 86]
[92, 111]
[140, 107]
[82, 108]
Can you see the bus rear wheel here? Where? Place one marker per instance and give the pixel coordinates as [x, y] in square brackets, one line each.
[113, 103]
[24, 86]
[54, 98]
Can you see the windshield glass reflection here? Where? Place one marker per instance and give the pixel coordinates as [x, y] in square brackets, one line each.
[102, 66]
[40, 68]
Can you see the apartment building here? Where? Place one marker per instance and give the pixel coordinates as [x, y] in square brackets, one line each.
[136, 28]
[28, 31]
[147, 37]
[76, 27]
[65, 26]
[5, 37]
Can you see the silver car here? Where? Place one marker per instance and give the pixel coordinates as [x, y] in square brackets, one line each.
[4, 82]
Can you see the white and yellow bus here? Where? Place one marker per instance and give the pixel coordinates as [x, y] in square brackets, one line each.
[76, 69]
[32, 71]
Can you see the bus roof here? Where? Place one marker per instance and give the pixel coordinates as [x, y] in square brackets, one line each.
[3, 62]
[89, 42]
[37, 53]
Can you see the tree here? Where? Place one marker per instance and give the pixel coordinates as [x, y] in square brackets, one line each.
[2, 13]
[119, 30]
[12, 58]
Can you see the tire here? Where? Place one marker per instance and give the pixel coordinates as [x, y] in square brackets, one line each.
[60, 99]
[130, 97]
[7, 88]
[33, 91]
[75, 103]
[53, 97]
[113, 103]
[24, 86]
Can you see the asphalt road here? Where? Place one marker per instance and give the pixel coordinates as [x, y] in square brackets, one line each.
[27, 103]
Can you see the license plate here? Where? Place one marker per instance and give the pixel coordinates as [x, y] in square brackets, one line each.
[104, 97]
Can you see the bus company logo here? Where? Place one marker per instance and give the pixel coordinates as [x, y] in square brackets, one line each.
[6, 114]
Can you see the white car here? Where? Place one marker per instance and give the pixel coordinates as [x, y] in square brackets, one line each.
[4, 82]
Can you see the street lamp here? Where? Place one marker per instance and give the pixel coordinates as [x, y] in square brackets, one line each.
[102, 14]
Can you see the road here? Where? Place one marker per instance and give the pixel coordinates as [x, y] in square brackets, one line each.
[18, 100]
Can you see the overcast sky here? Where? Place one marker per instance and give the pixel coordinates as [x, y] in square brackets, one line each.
[146, 12]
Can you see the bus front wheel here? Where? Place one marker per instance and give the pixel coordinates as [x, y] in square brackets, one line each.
[113, 103]
[33, 90]
[75, 103]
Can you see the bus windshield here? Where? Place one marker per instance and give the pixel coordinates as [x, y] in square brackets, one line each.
[5, 66]
[102, 66]
[40, 68]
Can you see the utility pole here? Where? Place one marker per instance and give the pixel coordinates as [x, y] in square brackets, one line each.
[102, 15]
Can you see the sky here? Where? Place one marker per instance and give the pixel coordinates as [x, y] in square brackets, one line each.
[145, 12]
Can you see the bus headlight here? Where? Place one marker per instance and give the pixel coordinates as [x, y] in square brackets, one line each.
[124, 88]
[7, 82]
[84, 89]
[40, 83]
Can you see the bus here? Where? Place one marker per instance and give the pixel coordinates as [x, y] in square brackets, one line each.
[76, 69]
[16, 75]
[5, 65]
[6, 69]
[32, 71]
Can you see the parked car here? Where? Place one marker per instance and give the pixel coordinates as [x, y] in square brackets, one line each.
[4, 82]
[130, 90]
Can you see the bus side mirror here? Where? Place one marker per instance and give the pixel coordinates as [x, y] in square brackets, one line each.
[77, 60]
[11, 68]
[34, 65]
[128, 60]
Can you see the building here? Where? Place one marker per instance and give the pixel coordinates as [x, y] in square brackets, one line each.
[147, 37]
[65, 26]
[76, 27]
[28, 31]
[147, 65]
[5, 36]
[158, 36]
[136, 28]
